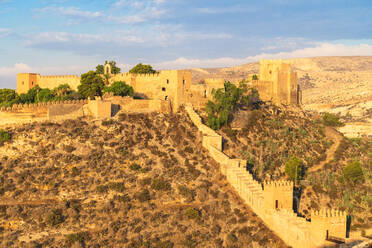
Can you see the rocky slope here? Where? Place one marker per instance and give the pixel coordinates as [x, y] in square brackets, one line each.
[270, 136]
[341, 85]
[139, 180]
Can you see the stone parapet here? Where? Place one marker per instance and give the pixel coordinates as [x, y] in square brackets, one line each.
[272, 201]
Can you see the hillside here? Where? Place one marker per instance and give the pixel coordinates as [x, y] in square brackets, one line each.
[140, 180]
[267, 138]
[341, 85]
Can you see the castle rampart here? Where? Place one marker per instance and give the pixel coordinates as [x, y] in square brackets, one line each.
[272, 201]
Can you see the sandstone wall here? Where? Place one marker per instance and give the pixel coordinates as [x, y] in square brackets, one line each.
[273, 201]
[52, 82]
[65, 111]
[128, 104]
[46, 111]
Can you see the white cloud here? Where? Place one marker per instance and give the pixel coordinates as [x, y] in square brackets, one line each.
[81, 39]
[71, 12]
[325, 49]
[158, 35]
[139, 11]
[227, 9]
[4, 32]
[137, 3]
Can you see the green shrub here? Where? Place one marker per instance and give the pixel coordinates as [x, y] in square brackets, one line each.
[55, 217]
[116, 186]
[332, 120]
[122, 198]
[102, 188]
[185, 192]
[254, 117]
[143, 195]
[189, 243]
[294, 169]
[160, 184]
[192, 213]
[75, 171]
[4, 136]
[76, 237]
[353, 172]
[135, 167]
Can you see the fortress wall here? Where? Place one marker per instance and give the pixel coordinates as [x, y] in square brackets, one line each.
[65, 111]
[52, 82]
[198, 95]
[273, 202]
[32, 112]
[265, 89]
[128, 104]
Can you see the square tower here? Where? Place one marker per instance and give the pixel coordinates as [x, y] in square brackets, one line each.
[26, 81]
[278, 82]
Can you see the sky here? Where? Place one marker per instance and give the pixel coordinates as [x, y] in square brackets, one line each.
[73, 36]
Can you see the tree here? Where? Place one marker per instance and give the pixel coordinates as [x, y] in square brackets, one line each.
[294, 169]
[254, 77]
[226, 101]
[45, 95]
[353, 172]
[142, 69]
[91, 84]
[31, 96]
[100, 69]
[120, 88]
[7, 95]
[62, 90]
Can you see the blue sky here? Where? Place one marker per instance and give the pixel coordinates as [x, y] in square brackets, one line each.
[68, 37]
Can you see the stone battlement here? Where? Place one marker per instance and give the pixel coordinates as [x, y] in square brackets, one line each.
[272, 201]
[60, 76]
[20, 107]
[277, 184]
[328, 213]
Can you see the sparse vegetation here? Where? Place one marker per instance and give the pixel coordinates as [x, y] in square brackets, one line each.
[294, 169]
[129, 208]
[227, 101]
[4, 136]
[353, 172]
[119, 88]
[332, 120]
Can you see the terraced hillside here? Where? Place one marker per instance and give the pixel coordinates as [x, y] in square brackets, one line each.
[140, 180]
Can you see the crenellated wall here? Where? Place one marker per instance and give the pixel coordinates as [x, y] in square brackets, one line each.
[26, 113]
[273, 200]
[52, 82]
[167, 85]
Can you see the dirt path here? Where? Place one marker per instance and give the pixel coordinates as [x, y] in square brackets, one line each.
[333, 135]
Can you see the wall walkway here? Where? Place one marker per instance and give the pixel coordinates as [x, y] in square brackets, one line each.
[293, 230]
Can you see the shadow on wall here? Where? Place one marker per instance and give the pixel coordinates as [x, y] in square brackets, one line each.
[115, 108]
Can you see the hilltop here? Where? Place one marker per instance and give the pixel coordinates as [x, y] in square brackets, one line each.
[341, 85]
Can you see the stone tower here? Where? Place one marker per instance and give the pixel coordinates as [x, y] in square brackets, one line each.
[278, 195]
[108, 68]
[278, 83]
